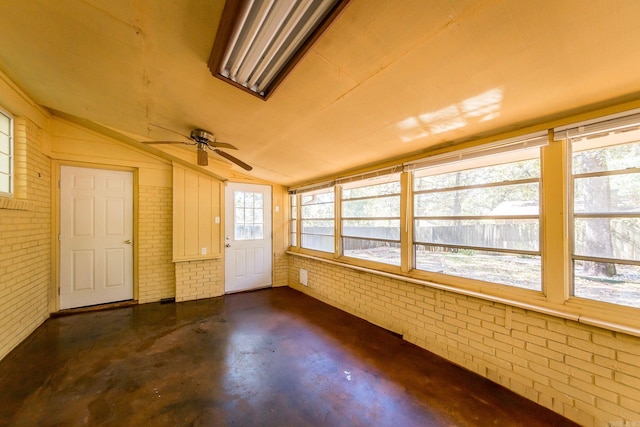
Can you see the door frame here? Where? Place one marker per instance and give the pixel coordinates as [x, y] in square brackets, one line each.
[224, 230]
[56, 167]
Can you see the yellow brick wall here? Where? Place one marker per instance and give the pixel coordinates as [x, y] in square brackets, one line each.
[25, 242]
[199, 279]
[280, 268]
[280, 236]
[156, 273]
[589, 375]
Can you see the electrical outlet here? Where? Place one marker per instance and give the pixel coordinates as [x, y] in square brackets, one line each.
[203, 251]
[304, 277]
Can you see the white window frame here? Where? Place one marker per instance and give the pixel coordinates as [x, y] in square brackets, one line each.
[9, 156]
[498, 153]
[293, 220]
[303, 219]
[573, 134]
[371, 182]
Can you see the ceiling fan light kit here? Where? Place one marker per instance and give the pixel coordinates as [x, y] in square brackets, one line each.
[203, 157]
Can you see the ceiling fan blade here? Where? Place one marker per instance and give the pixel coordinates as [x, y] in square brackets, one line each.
[203, 157]
[229, 157]
[170, 130]
[222, 145]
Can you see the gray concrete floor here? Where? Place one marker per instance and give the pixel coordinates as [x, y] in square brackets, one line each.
[267, 358]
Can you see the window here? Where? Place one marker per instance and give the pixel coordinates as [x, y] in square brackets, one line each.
[480, 218]
[293, 224]
[606, 210]
[371, 220]
[6, 154]
[317, 220]
[249, 215]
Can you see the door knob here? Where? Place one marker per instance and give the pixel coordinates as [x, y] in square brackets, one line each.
[227, 245]
[128, 242]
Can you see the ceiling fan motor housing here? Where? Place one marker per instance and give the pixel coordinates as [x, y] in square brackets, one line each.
[200, 135]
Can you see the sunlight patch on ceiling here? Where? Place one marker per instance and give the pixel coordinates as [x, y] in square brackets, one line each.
[480, 108]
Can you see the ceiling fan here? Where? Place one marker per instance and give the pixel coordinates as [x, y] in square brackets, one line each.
[206, 140]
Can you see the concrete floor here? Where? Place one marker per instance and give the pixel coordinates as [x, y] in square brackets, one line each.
[267, 358]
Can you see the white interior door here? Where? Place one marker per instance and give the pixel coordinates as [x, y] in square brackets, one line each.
[96, 233]
[247, 237]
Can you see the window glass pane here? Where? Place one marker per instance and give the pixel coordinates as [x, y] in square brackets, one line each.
[492, 233]
[609, 157]
[4, 183]
[619, 285]
[294, 210]
[522, 271]
[517, 199]
[613, 193]
[615, 233]
[524, 169]
[388, 206]
[324, 227]
[5, 124]
[319, 243]
[257, 231]
[372, 250]
[496, 191]
[239, 219]
[371, 219]
[312, 199]
[240, 232]
[258, 201]
[293, 200]
[372, 190]
[608, 238]
[5, 153]
[5, 147]
[317, 220]
[239, 199]
[373, 229]
[324, 210]
[258, 216]
[248, 200]
[5, 164]
[248, 216]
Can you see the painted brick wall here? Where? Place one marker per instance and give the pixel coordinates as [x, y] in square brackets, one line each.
[25, 249]
[589, 375]
[199, 279]
[280, 268]
[155, 227]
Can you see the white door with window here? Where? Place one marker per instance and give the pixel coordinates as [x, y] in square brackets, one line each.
[96, 233]
[247, 237]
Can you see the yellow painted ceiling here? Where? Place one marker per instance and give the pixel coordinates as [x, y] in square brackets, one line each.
[388, 79]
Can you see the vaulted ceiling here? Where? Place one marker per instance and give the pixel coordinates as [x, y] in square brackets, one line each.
[387, 79]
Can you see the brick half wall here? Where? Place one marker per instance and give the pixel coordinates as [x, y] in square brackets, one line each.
[199, 279]
[587, 374]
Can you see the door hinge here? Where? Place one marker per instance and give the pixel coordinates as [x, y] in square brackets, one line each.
[59, 184]
[58, 291]
[59, 237]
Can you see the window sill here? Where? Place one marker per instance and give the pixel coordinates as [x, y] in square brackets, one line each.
[566, 311]
[16, 204]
